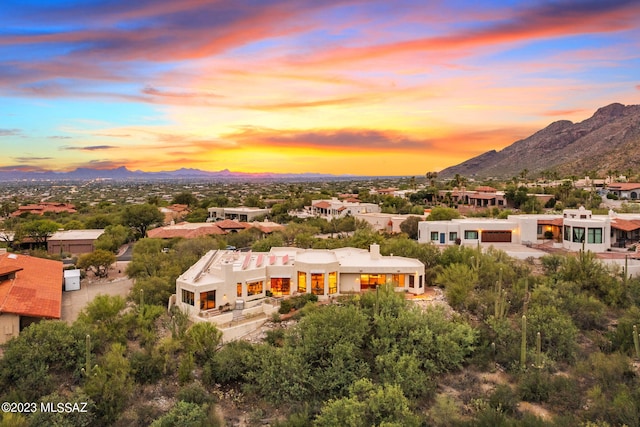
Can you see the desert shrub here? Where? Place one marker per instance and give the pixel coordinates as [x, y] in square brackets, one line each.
[534, 386]
[194, 393]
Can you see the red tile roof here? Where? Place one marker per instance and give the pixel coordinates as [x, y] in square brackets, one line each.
[322, 205]
[486, 189]
[625, 224]
[41, 208]
[185, 230]
[229, 224]
[36, 290]
[624, 186]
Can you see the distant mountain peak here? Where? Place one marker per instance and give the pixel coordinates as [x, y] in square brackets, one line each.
[610, 139]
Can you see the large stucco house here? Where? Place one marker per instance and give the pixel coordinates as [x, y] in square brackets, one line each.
[574, 229]
[225, 280]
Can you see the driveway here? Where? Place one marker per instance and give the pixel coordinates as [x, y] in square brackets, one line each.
[116, 284]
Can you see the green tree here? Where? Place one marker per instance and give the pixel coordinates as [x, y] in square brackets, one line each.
[98, 221]
[97, 261]
[458, 280]
[369, 405]
[184, 414]
[110, 384]
[113, 238]
[202, 340]
[141, 217]
[443, 214]
[410, 226]
[40, 230]
[28, 371]
[185, 198]
[103, 316]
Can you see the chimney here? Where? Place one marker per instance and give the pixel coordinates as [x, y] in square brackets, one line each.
[227, 269]
[374, 249]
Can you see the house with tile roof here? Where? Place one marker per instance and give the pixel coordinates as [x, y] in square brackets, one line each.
[625, 190]
[186, 230]
[30, 290]
[224, 283]
[45, 207]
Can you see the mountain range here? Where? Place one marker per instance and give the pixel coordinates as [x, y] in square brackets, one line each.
[124, 174]
[606, 142]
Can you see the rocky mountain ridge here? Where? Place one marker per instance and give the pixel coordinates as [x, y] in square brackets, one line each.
[609, 140]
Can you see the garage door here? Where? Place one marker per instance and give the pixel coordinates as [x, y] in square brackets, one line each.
[496, 236]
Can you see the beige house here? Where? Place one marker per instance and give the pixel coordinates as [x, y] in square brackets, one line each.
[225, 280]
[75, 242]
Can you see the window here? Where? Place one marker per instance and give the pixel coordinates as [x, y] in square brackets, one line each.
[302, 282]
[317, 283]
[333, 282]
[471, 234]
[594, 235]
[280, 286]
[567, 233]
[578, 234]
[188, 297]
[254, 288]
[239, 290]
[434, 235]
[453, 235]
[371, 281]
[539, 229]
[207, 300]
[412, 281]
[398, 280]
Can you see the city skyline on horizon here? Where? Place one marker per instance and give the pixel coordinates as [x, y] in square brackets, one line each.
[339, 87]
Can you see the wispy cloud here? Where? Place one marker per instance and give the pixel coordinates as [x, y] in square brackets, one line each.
[89, 147]
[9, 132]
[26, 159]
[352, 139]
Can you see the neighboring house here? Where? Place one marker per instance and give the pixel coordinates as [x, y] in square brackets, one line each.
[625, 190]
[30, 290]
[174, 213]
[335, 208]
[389, 223]
[186, 230]
[576, 229]
[75, 242]
[482, 197]
[224, 280]
[191, 230]
[45, 207]
[243, 214]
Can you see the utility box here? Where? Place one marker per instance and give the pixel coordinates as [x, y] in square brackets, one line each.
[72, 280]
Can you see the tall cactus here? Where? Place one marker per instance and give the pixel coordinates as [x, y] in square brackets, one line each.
[523, 344]
[500, 303]
[636, 341]
[538, 351]
[525, 302]
[87, 355]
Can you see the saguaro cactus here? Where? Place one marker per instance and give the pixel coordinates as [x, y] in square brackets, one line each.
[636, 341]
[523, 344]
[538, 351]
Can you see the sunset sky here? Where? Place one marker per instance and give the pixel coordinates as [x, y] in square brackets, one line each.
[341, 87]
